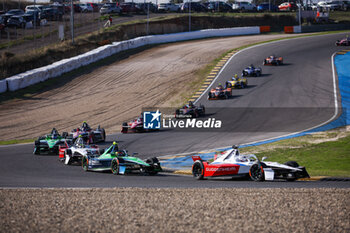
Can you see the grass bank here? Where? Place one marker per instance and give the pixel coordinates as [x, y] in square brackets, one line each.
[323, 154]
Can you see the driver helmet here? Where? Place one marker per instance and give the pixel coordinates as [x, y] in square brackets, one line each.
[115, 147]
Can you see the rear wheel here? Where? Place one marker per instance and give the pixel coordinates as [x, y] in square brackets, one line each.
[115, 166]
[198, 170]
[256, 173]
[291, 164]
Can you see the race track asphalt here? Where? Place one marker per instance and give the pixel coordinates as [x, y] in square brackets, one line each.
[302, 88]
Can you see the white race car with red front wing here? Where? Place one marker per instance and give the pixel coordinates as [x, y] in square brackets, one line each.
[74, 153]
[232, 164]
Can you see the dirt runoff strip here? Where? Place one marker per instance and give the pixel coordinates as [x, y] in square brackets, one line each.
[174, 210]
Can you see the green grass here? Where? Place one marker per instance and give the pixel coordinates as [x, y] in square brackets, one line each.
[16, 141]
[328, 157]
[340, 16]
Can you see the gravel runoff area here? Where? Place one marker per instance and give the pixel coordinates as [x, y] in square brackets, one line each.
[174, 210]
[116, 92]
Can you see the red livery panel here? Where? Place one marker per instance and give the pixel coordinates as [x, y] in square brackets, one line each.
[220, 169]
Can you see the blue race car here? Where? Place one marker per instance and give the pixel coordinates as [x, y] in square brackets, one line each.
[252, 71]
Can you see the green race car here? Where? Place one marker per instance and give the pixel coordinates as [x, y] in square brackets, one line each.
[49, 144]
[119, 162]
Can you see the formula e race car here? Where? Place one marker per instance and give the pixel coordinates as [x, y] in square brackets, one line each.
[236, 82]
[190, 111]
[88, 134]
[233, 164]
[343, 42]
[119, 162]
[49, 143]
[252, 71]
[70, 153]
[273, 60]
[220, 93]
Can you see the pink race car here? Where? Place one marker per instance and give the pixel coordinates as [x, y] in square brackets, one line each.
[343, 42]
[135, 126]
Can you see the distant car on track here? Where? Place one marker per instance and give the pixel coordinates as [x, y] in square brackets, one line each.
[50, 143]
[190, 110]
[135, 126]
[88, 134]
[343, 42]
[119, 162]
[252, 71]
[273, 60]
[220, 93]
[232, 164]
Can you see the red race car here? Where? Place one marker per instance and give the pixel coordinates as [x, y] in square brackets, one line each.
[273, 60]
[220, 93]
[343, 42]
[233, 164]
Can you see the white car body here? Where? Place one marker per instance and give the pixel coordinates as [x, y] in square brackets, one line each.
[109, 8]
[76, 153]
[243, 6]
[85, 8]
[231, 163]
[35, 8]
[334, 5]
[168, 7]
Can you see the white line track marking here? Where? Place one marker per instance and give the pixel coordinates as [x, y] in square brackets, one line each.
[286, 135]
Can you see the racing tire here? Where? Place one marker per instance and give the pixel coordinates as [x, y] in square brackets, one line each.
[115, 166]
[151, 171]
[124, 127]
[67, 153]
[65, 134]
[258, 74]
[291, 164]
[256, 173]
[85, 163]
[103, 135]
[198, 170]
[245, 73]
[242, 85]
[37, 151]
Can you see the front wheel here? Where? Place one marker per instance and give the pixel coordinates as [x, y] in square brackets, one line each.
[67, 157]
[256, 173]
[115, 166]
[85, 164]
[198, 170]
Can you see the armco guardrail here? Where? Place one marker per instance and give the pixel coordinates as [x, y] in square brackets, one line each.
[56, 69]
